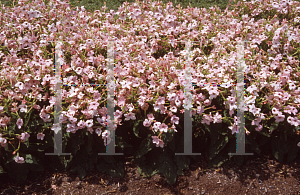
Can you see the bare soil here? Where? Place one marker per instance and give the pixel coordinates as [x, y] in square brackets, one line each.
[260, 175]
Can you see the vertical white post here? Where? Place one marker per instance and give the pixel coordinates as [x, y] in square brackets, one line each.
[58, 105]
[110, 86]
[188, 131]
[240, 150]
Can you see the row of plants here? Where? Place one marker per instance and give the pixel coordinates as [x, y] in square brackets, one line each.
[150, 81]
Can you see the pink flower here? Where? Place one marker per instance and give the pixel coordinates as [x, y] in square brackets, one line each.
[79, 70]
[103, 111]
[200, 109]
[217, 118]
[175, 119]
[173, 109]
[290, 109]
[252, 89]
[253, 109]
[71, 128]
[19, 159]
[106, 134]
[23, 108]
[163, 128]
[93, 105]
[81, 124]
[157, 106]
[97, 96]
[147, 123]
[279, 118]
[207, 102]
[150, 117]
[89, 123]
[129, 116]
[213, 92]
[40, 136]
[207, 119]
[157, 141]
[160, 100]
[3, 141]
[156, 126]
[98, 131]
[293, 121]
[19, 123]
[177, 102]
[259, 128]
[102, 121]
[20, 85]
[72, 119]
[118, 114]
[275, 110]
[24, 136]
[90, 130]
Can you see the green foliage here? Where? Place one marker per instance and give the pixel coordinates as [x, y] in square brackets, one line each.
[109, 165]
[284, 146]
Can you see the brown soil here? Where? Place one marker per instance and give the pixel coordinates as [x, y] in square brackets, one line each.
[260, 175]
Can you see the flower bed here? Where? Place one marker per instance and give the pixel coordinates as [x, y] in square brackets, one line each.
[149, 73]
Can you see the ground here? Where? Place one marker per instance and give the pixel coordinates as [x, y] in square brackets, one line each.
[260, 175]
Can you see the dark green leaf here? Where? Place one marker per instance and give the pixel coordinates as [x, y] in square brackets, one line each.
[30, 159]
[17, 172]
[273, 126]
[182, 163]
[114, 170]
[36, 167]
[168, 168]
[279, 148]
[136, 128]
[145, 147]
[2, 170]
[252, 143]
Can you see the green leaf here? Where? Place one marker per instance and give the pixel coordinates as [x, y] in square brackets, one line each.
[136, 128]
[252, 143]
[30, 159]
[114, 170]
[36, 167]
[147, 171]
[217, 146]
[273, 126]
[182, 163]
[145, 147]
[17, 172]
[2, 170]
[293, 151]
[218, 160]
[168, 168]
[279, 148]
[148, 164]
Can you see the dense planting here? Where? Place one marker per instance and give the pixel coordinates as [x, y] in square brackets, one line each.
[149, 68]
